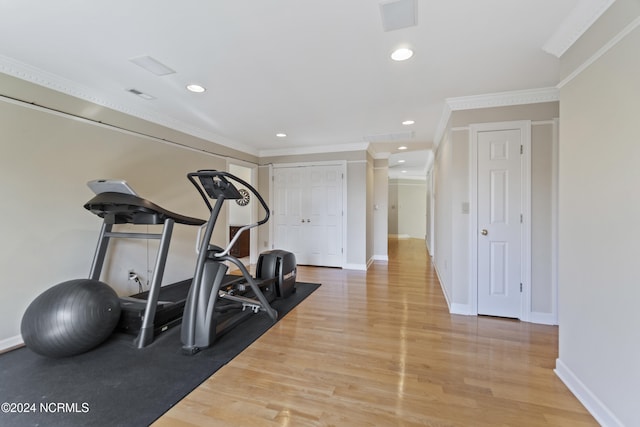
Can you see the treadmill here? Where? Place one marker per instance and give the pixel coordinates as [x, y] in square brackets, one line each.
[145, 314]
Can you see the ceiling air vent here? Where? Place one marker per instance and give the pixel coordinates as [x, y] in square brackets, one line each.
[141, 94]
[397, 14]
[152, 65]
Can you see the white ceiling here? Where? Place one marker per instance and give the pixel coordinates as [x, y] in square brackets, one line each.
[317, 70]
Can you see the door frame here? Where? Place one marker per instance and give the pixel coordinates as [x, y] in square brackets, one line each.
[524, 126]
[343, 165]
[253, 233]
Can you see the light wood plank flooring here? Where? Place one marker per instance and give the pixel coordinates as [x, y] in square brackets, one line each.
[379, 348]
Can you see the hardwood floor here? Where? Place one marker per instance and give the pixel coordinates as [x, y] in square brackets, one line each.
[379, 348]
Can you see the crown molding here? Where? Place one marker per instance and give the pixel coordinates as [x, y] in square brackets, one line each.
[383, 155]
[583, 15]
[57, 83]
[317, 149]
[504, 99]
[604, 49]
[490, 100]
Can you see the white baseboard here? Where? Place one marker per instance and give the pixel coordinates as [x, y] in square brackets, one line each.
[465, 309]
[600, 412]
[381, 258]
[442, 286]
[355, 267]
[543, 318]
[11, 343]
[398, 236]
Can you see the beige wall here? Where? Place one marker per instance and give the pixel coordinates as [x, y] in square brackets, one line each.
[407, 211]
[45, 161]
[543, 218]
[599, 235]
[451, 191]
[443, 172]
[357, 216]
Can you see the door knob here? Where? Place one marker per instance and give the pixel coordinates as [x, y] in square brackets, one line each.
[302, 220]
[484, 232]
[308, 220]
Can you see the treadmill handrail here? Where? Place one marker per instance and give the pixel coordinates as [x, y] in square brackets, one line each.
[131, 209]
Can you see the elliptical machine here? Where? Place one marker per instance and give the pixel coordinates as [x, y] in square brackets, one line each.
[217, 301]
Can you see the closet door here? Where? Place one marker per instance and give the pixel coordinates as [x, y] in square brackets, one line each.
[287, 212]
[309, 213]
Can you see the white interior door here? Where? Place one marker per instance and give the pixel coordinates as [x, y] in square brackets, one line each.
[287, 212]
[499, 222]
[308, 213]
[324, 222]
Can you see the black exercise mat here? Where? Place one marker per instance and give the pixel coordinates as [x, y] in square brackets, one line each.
[117, 384]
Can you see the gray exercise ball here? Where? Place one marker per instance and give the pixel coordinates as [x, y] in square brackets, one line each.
[70, 318]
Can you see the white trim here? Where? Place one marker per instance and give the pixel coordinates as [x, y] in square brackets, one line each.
[464, 309]
[604, 49]
[399, 236]
[583, 15]
[380, 258]
[504, 99]
[555, 185]
[490, 100]
[454, 308]
[11, 343]
[542, 122]
[362, 267]
[543, 318]
[473, 219]
[595, 406]
[525, 260]
[253, 233]
[316, 149]
[345, 206]
[442, 286]
[525, 254]
[384, 155]
[305, 164]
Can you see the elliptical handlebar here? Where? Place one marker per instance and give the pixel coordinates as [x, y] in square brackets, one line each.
[214, 184]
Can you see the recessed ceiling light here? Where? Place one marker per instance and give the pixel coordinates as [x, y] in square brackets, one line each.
[281, 135]
[195, 88]
[404, 171]
[402, 54]
[408, 122]
[401, 161]
[402, 148]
